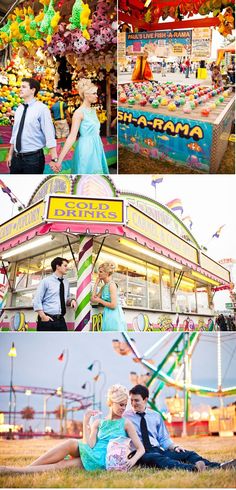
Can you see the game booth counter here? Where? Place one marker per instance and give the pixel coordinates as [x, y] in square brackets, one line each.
[186, 125]
[165, 281]
[58, 43]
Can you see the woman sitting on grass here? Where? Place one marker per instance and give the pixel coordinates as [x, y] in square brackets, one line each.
[90, 453]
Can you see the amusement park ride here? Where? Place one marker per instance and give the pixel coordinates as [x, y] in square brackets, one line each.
[174, 370]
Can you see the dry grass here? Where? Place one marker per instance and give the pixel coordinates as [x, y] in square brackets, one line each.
[20, 453]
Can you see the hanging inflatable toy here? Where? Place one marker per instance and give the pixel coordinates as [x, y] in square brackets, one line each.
[80, 18]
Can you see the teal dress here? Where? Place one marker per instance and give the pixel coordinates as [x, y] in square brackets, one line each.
[113, 320]
[95, 458]
[89, 155]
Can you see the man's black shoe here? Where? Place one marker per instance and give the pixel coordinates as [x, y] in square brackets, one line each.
[228, 465]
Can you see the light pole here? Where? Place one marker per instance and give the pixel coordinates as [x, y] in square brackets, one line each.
[84, 386]
[95, 379]
[185, 419]
[64, 354]
[11, 354]
[45, 400]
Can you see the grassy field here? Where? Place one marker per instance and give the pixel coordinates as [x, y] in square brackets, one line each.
[20, 453]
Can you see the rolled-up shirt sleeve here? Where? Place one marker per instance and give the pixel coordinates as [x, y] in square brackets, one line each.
[163, 435]
[38, 299]
[48, 128]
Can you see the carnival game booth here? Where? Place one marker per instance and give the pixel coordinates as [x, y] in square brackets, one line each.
[165, 281]
[59, 42]
[187, 125]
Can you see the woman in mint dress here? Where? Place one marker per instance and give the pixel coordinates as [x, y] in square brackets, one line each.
[93, 449]
[91, 453]
[89, 155]
[113, 318]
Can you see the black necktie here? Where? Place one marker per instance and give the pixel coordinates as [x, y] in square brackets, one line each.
[144, 432]
[62, 296]
[21, 126]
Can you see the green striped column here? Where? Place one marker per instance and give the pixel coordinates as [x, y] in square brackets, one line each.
[83, 292]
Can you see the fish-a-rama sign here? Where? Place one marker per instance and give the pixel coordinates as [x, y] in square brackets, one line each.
[185, 129]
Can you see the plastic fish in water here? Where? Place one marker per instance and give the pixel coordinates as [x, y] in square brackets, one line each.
[164, 138]
[149, 142]
[194, 147]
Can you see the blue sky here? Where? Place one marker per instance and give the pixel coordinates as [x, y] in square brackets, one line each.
[37, 365]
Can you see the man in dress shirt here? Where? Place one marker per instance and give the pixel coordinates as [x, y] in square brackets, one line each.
[160, 451]
[33, 130]
[51, 298]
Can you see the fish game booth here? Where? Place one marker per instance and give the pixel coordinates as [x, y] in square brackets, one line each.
[165, 281]
[185, 125]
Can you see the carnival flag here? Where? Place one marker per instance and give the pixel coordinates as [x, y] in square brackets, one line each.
[218, 232]
[175, 205]
[61, 356]
[156, 179]
[8, 191]
[189, 219]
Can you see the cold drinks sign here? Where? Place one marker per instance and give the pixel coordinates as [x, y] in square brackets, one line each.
[72, 208]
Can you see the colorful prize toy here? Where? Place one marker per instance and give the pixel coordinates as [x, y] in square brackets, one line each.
[171, 106]
[155, 103]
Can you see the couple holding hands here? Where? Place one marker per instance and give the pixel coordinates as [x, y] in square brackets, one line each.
[142, 431]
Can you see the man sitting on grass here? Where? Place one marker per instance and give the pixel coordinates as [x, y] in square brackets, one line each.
[160, 452]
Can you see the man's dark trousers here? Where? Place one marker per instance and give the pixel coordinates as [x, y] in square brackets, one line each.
[57, 325]
[31, 163]
[166, 459]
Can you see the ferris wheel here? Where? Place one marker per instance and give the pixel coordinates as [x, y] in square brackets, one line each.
[174, 367]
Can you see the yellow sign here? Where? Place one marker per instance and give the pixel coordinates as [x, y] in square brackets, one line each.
[24, 221]
[149, 228]
[85, 209]
[214, 268]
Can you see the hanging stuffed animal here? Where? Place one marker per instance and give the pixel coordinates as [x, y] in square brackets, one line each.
[80, 18]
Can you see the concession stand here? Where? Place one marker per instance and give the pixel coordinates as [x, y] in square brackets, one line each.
[165, 280]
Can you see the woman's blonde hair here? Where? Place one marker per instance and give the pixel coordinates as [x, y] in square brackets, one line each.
[108, 267]
[117, 393]
[85, 86]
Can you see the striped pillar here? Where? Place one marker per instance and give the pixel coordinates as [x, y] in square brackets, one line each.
[83, 292]
[4, 293]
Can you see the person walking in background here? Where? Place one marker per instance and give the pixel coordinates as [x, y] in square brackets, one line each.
[51, 298]
[113, 318]
[32, 130]
[59, 109]
[216, 77]
[187, 67]
[160, 451]
[220, 321]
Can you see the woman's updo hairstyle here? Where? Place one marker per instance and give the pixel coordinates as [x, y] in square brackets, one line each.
[108, 267]
[85, 86]
[116, 394]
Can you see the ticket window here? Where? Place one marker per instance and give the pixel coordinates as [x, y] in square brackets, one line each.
[186, 296]
[21, 275]
[154, 290]
[202, 302]
[165, 282]
[138, 281]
